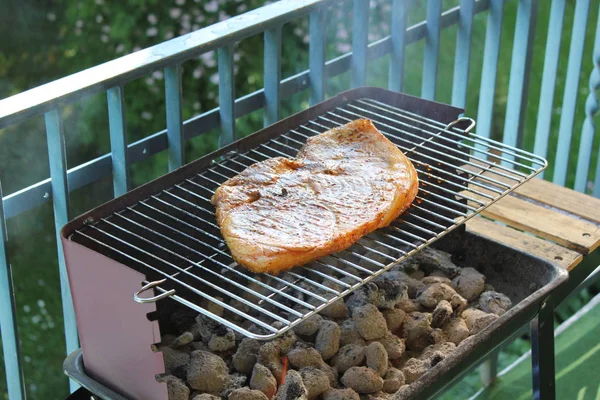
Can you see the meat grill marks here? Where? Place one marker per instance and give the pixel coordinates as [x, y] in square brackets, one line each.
[343, 184]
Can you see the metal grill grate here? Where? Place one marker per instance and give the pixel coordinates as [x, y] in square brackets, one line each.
[173, 237]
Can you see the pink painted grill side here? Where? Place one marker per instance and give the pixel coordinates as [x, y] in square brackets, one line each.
[114, 331]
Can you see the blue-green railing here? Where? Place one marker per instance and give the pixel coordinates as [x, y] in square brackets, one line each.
[168, 56]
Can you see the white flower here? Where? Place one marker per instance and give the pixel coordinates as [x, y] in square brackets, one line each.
[211, 6]
[147, 115]
[152, 31]
[51, 16]
[99, 18]
[152, 19]
[175, 13]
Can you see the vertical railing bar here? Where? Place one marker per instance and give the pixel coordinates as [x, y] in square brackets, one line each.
[398, 35]
[360, 41]
[432, 47]
[316, 59]
[272, 74]
[60, 200]
[491, 54]
[118, 139]
[567, 118]
[8, 319]
[520, 71]
[463, 53]
[175, 139]
[226, 95]
[589, 128]
[544, 118]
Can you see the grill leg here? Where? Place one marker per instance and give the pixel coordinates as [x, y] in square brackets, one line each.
[488, 371]
[542, 353]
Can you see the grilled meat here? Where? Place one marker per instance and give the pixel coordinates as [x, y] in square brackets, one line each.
[343, 184]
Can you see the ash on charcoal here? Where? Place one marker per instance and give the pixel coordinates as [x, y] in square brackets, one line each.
[235, 381]
[351, 355]
[477, 320]
[305, 357]
[377, 358]
[349, 333]
[341, 394]
[459, 304]
[245, 356]
[214, 307]
[431, 260]
[207, 372]
[416, 329]
[408, 306]
[413, 369]
[494, 302]
[469, 283]
[286, 342]
[315, 381]
[430, 280]
[369, 321]
[262, 379]
[437, 336]
[174, 358]
[269, 355]
[309, 326]
[435, 293]
[222, 340]
[394, 318]
[393, 345]
[293, 388]
[176, 388]
[205, 327]
[435, 353]
[456, 330]
[246, 393]
[384, 292]
[328, 339]
[393, 380]
[198, 346]
[363, 380]
[336, 310]
[441, 314]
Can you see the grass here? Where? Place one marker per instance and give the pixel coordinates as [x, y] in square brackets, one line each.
[33, 253]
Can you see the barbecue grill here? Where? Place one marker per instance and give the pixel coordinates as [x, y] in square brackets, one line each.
[163, 236]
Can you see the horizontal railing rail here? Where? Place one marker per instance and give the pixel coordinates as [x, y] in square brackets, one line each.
[168, 56]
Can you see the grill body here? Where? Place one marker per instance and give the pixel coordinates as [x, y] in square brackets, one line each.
[162, 234]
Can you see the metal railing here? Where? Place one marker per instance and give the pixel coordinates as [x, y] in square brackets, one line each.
[168, 57]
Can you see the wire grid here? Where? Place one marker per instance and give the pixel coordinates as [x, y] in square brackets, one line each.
[174, 239]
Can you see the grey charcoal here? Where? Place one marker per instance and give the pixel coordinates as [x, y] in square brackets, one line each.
[305, 357]
[315, 381]
[413, 369]
[441, 314]
[394, 318]
[377, 358]
[309, 326]
[341, 394]
[246, 394]
[351, 355]
[393, 380]
[369, 322]
[456, 330]
[416, 329]
[363, 380]
[174, 358]
[328, 339]
[262, 379]
[183, 339]
[435, 293]
[349, 333]
[431, 260]
[269, 355]
[469, 283]
[176, 388]
[223, 339]
[494, 302]
[207, 372]
[245, 356]
[293, 388]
